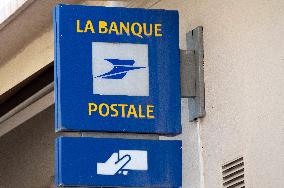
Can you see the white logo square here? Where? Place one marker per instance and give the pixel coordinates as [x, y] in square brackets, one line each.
[120, 69]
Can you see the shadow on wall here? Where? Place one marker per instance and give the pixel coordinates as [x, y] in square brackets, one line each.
[27, 153]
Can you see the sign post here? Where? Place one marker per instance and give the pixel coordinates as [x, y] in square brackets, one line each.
[118, 162]
[117, 70]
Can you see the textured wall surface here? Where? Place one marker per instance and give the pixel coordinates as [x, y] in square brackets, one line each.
[244, 71]
[27, 153]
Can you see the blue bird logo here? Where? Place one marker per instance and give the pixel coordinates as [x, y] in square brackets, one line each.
[120, 69]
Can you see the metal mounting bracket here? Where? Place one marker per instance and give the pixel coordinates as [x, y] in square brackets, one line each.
[192, 73]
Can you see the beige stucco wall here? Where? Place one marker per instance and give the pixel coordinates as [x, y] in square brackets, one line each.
[244, 77]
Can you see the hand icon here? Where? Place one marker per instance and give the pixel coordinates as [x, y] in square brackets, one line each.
[112, 165]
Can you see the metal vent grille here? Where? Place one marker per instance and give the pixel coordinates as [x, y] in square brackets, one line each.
[233, 174]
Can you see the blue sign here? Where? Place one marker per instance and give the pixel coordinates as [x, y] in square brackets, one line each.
[117, 70]
[118, 162]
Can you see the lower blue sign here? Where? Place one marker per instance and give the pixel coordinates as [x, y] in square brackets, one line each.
[86, 161]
